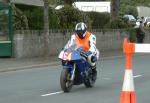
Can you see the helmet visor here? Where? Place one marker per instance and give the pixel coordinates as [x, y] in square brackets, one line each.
[80, 33]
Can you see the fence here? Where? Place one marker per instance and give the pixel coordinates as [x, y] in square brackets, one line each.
[31, 43]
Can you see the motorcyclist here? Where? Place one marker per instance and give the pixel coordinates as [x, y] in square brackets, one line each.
[84, 38]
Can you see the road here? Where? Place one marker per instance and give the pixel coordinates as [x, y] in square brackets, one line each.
[41, 85]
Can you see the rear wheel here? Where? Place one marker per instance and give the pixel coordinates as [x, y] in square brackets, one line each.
[65, 82]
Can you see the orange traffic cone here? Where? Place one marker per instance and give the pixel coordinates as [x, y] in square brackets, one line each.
[128, 94]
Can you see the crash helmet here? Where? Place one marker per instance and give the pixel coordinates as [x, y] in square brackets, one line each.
[80, 30]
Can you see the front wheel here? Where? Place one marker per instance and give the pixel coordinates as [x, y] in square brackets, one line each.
[65, 82]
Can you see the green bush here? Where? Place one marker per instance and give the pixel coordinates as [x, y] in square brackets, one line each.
[128, 9]
[102, 21]
[35, 17]
[132, 35]
[68, 17]
[53, 19]
[117, 24]
[148, 28]
[98, 20]
[20, 21]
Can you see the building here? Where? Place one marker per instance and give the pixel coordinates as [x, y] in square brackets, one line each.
[91, 6]
[29, 2]
[143, 11]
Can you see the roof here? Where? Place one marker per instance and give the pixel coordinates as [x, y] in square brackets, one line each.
[29, 2]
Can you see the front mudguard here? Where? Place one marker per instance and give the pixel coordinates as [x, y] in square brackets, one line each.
[70, 66]
[75, 73]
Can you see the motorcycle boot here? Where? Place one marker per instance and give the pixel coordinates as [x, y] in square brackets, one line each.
[94, 72]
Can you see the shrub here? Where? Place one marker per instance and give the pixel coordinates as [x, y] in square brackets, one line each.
[98, 20]
[117, 24]
[68, 17]
[128, 9]
[35, 17]
[132, 34]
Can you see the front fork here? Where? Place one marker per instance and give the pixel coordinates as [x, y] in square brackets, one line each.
[73, 72]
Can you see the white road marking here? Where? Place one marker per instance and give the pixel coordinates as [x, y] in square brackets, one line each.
[59, 92]
[106, 78]
[49, 94]
[136, 76]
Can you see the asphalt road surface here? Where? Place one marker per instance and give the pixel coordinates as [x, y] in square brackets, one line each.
[41, 85]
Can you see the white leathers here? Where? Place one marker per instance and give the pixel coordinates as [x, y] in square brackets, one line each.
[92, 42]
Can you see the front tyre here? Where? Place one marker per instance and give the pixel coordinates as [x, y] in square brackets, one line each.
[65, 82]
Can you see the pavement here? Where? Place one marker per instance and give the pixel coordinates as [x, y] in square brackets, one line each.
[13, 64]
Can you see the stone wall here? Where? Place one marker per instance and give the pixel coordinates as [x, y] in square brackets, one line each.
[31, 43]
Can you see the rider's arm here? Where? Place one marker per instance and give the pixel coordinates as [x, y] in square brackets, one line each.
[72, 40]
[92, 41]
[93, 48]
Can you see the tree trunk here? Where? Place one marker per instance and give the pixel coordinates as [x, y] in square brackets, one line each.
[46, 27]
[6, 1]
[114, 9]
[68, 2]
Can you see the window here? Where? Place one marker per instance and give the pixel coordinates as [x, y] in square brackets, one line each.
[4, 24]
[87, 8]
[101, 8]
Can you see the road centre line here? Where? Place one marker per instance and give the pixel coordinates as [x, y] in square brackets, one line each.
[49, 94]
[59, 92]
[106, 78]
[136, 76]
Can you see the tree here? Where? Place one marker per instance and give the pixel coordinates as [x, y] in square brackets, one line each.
[20, 21]
[114, 9]
[53, 3]
[68, 2]
[6, 1]
[69, 16]
[46, 26]
[47, 4]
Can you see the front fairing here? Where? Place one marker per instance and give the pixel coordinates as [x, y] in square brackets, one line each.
[70, 52]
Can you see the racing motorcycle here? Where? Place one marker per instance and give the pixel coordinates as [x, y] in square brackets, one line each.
[76, 68]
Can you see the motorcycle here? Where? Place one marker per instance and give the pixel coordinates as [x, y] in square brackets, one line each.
[76, 68]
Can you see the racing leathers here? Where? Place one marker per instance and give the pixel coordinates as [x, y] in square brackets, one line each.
[89, 45]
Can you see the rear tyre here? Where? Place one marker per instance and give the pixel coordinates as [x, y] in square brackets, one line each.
[65, 82]
[90, 81]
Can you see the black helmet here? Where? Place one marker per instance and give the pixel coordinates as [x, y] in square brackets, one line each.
[80, 29]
